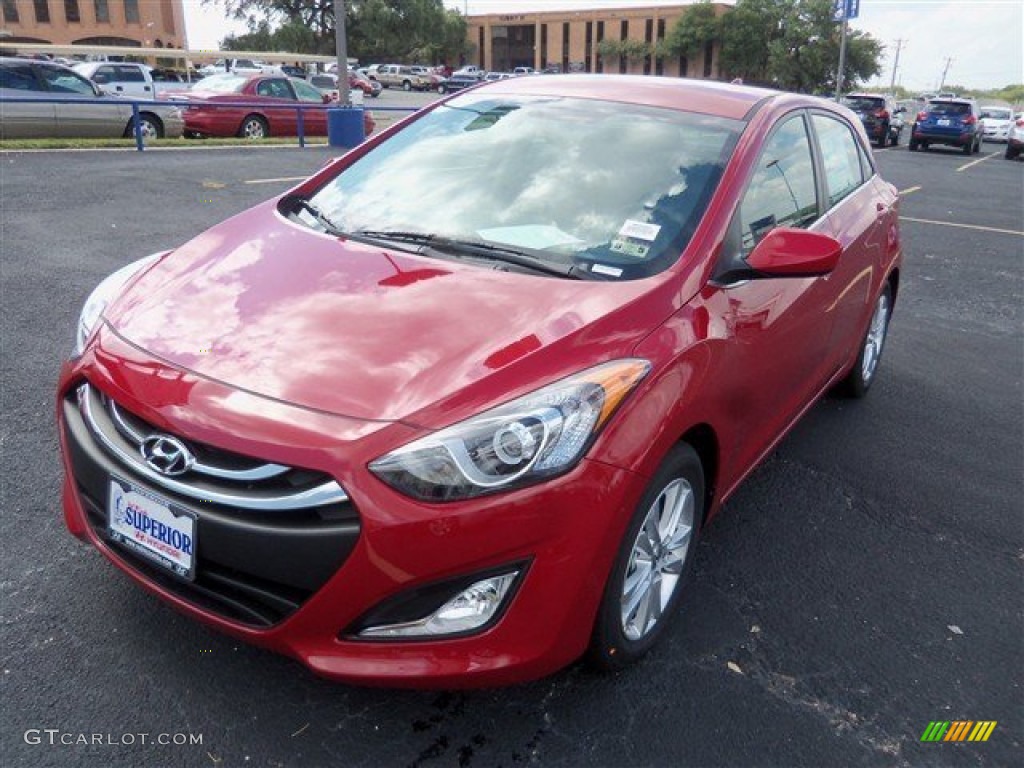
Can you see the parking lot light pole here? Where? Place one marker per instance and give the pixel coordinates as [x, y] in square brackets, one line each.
[341, 44]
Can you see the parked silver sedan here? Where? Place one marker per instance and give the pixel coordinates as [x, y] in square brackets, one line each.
[49, 84]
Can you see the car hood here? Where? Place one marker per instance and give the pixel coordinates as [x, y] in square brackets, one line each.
[266, 305]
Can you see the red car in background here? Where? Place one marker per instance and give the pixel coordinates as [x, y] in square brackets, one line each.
[266, 107]
[467, 445]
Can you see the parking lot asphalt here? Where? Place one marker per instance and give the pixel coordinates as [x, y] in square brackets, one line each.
[865, 580]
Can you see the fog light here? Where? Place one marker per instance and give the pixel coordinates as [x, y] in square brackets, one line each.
[470, 609]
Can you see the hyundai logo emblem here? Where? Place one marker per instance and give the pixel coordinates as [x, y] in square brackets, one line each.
[166, 454]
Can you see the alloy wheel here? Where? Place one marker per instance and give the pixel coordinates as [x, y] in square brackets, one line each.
[656, 562]
[875, 338]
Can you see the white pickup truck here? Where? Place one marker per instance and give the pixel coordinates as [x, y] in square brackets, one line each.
[126, 78]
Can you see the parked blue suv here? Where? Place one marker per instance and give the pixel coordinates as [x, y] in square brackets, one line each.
[948, 121]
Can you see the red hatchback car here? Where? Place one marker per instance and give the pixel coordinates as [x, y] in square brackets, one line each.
[466, 446]
[267, 107]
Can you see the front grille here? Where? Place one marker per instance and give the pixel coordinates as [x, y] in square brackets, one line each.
[214, 475]
[267, 536]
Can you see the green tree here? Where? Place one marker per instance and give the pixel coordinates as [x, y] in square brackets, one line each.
[629, 49]
[698, 26]
[793, 45]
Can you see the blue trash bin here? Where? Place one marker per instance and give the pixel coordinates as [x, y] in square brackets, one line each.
[345, 127]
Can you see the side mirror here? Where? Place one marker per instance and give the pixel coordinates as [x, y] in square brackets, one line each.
[786, 252]
[900, 110]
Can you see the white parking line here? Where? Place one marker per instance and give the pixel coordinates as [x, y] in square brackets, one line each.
[965, 226]
[275, 181]
[909, 190]
[965, 166]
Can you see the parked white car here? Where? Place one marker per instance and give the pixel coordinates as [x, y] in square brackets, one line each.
[240, 67]
[997, 122]
[121, 78]
[1015, 137]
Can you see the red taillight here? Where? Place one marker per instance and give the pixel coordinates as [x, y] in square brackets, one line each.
[1020, 123]
[921, 116]
[882, 114]
[970, 120]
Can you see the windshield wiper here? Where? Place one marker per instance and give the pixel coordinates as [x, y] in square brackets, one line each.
[322, 218]
[476, 248]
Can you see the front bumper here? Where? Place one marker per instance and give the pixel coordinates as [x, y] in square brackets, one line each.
[328, 573]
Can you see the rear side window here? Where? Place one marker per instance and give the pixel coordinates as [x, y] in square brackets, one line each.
[863, 103]
[782, 192]
[843, 172]
[19, 78]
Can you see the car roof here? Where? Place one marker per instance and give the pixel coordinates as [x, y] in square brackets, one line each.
[703, 96]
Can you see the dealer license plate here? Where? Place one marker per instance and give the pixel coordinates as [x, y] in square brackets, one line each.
[152, 527]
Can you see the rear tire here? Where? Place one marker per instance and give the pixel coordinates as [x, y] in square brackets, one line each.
[865, 369]
[977, 146]
[968, 148]
[912, 146]
[253, 127]
[655, 557]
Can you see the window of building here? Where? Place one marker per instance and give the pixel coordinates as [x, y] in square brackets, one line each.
[42, 8]
[10, 11]
[623, 35]
[543, 46]
[131, 11]
[589, 39]
[71, 12]
[659, 58]
[709, 53]
[480, 46]
[782, 192]
[102, 8]
[565, 47]
[648, 38]
[684, 66]
[843, 172]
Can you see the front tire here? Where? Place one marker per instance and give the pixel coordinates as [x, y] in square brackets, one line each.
[655, 557]
[858, 381]
[406, 86]
[150, 124]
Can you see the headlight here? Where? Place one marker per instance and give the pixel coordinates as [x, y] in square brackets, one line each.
[103, 294]
[539, 435]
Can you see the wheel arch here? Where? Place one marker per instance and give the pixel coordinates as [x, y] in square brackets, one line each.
[704, 440]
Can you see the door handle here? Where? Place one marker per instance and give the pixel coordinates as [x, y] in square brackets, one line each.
[118, 88]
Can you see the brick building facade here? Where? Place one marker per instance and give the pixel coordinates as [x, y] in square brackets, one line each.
[134, 23]
[570, 40]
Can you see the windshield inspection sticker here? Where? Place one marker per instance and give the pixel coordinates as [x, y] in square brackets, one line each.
[630, 248]
[640, 230]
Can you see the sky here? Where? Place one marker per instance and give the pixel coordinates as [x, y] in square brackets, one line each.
[985, 38]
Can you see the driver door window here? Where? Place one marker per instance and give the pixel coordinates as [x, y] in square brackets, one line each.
[782, 192]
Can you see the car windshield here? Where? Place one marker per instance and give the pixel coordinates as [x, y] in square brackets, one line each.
[863, 103]
[614, 191]
[221, 84]
[948, 108]
[997, 114]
